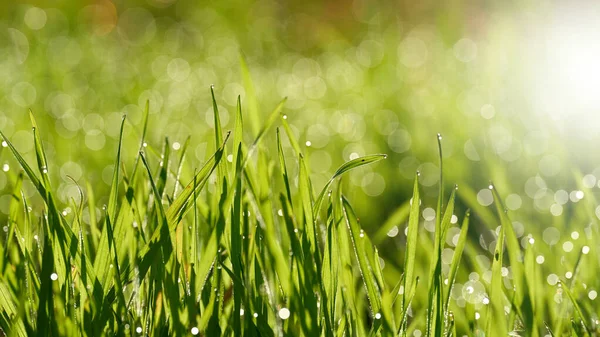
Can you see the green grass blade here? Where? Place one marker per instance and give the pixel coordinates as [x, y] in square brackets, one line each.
[411, 241]
[358, 243]
[456, 259]
[566, 289]
[348, 166]
[142, 140]
[496, 319]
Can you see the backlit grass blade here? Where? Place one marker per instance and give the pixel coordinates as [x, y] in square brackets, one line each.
[411, 241]
[39, 152]
[184, 149]
[253, 112]
[104, 254]
[9, 316]
[283, 168]
[13, 216]
[522, 296]
[348, 166]
[142, 140]
[238, 134]
[114, 188]
[358, 242]
[435, 305]
[496, 320]
[456, 259]
[28, 170]
[582, 318]
[409, 299]
[180, 205]
[267, 125]
[305, 189]
[290, 134]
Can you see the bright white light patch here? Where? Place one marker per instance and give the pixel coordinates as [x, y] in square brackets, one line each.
[284, 313]
[54, 276]
[568, 76]
[195, 331]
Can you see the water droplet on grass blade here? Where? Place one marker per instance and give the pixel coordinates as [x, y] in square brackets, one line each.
[284, 313]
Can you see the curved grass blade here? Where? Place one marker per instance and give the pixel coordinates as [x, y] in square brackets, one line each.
[348, 166]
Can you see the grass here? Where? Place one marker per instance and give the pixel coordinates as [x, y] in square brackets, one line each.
[238, 247]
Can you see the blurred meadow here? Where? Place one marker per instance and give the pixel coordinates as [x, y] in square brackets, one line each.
[510, 86]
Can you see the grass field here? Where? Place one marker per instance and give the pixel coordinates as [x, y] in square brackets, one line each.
[307, 192]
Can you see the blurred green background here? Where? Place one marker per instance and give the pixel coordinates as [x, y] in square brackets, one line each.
[361, 77]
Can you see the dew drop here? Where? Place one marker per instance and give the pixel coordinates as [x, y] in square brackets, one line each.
[284, 313]
[284, 116]
[195, 331]
[54, 276]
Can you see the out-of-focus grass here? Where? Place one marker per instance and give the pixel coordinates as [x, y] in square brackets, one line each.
[385, 81]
